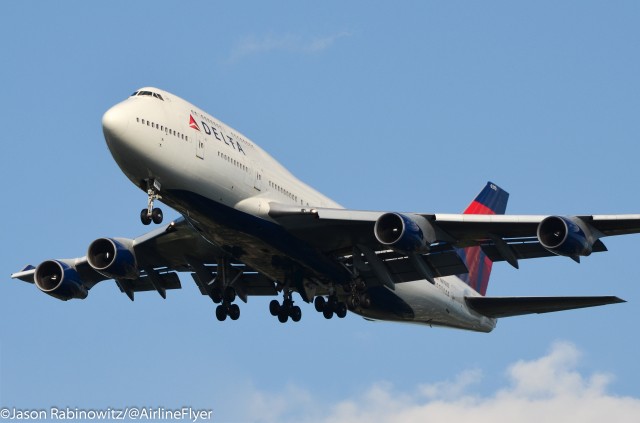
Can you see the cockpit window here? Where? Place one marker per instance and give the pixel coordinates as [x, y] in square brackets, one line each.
[149, 93]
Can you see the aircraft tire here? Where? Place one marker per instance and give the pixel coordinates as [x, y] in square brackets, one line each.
[156, 216]
[229, 294]
[221, 313]
[296, 313]
[319, 303]
[274, 307]
[327, 313]
[144, 218]
[234, 311]
[216, 295]
[283, 316]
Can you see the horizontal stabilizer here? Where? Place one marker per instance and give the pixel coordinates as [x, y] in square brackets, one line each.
[497, 307]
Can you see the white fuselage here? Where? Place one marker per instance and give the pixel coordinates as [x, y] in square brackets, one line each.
[222, 183]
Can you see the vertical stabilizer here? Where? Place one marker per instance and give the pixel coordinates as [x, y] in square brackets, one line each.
[491, 200]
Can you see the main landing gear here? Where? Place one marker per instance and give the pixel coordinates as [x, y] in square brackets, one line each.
[356, 298]
[330, 306]
[286, 309]
[226, 308]
[150, 213]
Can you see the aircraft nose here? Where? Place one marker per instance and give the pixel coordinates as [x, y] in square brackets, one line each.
[115, 122]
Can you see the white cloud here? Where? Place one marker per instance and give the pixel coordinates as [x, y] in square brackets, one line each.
[252, 45]
[549, 388]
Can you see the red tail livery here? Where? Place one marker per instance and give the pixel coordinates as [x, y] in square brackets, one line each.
[491, 200]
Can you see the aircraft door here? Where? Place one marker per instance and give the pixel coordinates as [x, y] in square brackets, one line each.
[257, 181]
[200, 145]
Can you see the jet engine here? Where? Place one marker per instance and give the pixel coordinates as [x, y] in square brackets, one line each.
[405, 233]
[113, 258]
[565, 236]
[59, 280]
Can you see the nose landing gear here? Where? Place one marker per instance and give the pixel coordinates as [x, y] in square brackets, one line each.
[151, 214]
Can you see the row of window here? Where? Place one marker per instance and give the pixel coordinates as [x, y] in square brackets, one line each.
[220, 154]
[233, 161]
[166, 130]
[282, 191]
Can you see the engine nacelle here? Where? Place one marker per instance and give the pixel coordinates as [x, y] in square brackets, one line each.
[59, 280]
[565, 236]
[113, 258]
[406, 233]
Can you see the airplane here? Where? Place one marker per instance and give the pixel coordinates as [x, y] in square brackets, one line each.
[248, 227]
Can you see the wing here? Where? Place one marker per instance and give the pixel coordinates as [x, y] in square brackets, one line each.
[159, 254]
[508, 238]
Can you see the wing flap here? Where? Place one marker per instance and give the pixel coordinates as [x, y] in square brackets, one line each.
[498, 307]
[252, 284]
[528, 250]
[167, 281]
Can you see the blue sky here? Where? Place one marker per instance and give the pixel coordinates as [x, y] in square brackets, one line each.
[383, 106]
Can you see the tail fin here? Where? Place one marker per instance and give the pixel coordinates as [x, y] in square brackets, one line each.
[491, 200]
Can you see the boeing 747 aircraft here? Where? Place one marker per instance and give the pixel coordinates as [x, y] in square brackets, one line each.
[248, 227]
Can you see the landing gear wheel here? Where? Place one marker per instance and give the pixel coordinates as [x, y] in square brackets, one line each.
[144, 217]
[274, 307]
[216, 295]
[229, 294]
[327, 313]
[319, 303]
[234, 311]
[221, 313]
[296, 313]
[341, 310]
[156, 216]
[283, 316]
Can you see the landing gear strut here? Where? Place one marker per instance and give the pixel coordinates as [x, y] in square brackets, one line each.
[286, 309]
[150, 213]
[358, 296]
